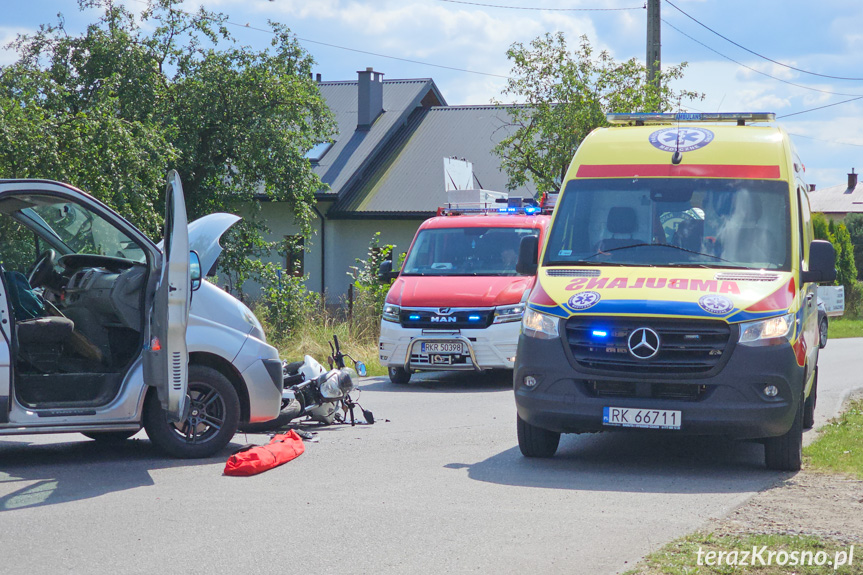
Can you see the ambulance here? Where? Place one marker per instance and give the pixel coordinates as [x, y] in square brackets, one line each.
[676, 292]
[458, 300]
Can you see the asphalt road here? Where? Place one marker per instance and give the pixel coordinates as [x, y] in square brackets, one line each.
[437, 485]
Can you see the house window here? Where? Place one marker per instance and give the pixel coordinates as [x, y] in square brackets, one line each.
[294, 252]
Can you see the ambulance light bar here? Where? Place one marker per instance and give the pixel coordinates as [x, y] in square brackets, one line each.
[671, 117]
[522, 210]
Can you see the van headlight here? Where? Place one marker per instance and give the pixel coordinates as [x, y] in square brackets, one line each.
[391, 312]
[257, 329]
[508, 313]
[781, 327]
[539, 325]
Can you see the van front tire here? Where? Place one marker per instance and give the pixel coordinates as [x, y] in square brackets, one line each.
[785, 453]
[534, 441]
[217, 406]
[399, 375]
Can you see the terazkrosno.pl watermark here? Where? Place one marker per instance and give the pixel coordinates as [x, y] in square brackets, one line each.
[763, 556]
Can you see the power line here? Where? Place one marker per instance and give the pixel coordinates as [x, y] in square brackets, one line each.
[756, 53]
[825, 141]
[672, 26]
[819, 107]
[541, 9]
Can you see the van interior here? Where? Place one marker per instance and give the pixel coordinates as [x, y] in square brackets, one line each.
[75, 286]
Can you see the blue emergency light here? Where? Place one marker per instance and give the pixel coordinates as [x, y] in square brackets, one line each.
[413, 317]
[473, 318]
[600, 333]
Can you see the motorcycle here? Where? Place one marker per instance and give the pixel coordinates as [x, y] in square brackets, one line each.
[322, 395]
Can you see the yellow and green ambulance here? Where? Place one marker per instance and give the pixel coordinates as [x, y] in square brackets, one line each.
[677, 288]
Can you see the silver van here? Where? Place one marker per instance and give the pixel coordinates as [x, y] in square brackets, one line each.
[96, 334]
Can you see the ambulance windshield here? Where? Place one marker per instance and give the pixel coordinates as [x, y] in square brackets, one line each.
[474, 251]
[672, 222]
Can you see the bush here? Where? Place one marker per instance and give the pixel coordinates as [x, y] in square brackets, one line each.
[854, 301]
[370, 291]
[854, 223]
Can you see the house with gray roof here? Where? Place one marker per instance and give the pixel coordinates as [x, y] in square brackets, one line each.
[836, 202]
[385, 170]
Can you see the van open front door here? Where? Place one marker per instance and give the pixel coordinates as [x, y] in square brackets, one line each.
[166, 361]
[5, 352]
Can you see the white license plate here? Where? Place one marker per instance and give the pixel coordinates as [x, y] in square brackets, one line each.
[647, 418]
[442, 347]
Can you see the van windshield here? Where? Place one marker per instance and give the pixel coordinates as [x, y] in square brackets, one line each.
[486, 251]
[672, 222]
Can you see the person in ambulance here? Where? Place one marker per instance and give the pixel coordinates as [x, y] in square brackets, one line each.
[96, 334]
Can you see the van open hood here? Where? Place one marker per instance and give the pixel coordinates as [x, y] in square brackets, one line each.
[729, 294]
[204, 236]
[458, 291]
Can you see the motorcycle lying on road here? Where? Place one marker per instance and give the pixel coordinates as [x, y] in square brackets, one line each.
[321, 395]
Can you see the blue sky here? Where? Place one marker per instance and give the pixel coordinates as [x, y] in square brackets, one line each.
[817, 37]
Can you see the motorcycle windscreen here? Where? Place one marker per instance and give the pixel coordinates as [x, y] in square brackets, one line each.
[166, 360]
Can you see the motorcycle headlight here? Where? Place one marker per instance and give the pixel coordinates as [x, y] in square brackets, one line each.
[508, 313]
[781, 327]
[330, 387]
[391, 312]
[338, 383]
[539, 325]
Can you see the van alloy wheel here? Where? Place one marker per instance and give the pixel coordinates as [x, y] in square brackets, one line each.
[211, 419]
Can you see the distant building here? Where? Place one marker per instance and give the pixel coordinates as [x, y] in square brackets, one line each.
[385, 170]
[836, 202]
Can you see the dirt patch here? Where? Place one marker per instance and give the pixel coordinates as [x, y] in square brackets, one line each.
[808, 503]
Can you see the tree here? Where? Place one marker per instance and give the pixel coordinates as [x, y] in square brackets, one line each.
[854, 223]
[566, 96]
[112, 109]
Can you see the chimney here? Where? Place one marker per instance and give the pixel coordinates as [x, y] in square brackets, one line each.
[852, 180]
[318, 78]
[371, 98]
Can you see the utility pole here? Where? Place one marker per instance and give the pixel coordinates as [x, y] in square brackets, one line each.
[654, 45]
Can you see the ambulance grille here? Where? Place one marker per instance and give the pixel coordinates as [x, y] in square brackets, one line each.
[685, 346]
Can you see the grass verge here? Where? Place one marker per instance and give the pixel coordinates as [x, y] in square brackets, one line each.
[839, 447]
[316, 333]
[843, 327]
[681, 557]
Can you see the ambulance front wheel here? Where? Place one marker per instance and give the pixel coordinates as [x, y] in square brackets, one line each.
[399, 375]
[214, 413]
[534, 441]
[785, 453]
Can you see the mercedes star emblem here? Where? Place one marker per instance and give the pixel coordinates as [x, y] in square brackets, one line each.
[643, 343]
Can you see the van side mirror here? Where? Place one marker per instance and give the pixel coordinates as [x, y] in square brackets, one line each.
[528, 256]
[822, 263]
[195, 270]
[385, 271]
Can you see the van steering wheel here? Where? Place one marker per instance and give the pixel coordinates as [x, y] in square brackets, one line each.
[41, 270]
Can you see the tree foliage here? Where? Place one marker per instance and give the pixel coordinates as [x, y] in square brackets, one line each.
[112, 109]
[565, 96]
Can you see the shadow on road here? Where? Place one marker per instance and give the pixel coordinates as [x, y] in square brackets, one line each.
[34, 474]
[448, 381]
[621, 461]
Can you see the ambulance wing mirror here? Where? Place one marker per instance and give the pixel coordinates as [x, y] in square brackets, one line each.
[822, 263]
[527, 256]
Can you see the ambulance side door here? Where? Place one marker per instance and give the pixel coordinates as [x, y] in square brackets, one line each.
[810, 290]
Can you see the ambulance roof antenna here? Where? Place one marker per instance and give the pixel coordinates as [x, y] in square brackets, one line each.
[677, 157]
